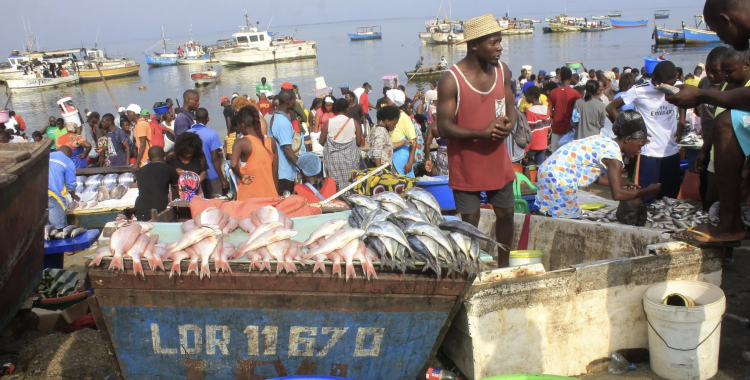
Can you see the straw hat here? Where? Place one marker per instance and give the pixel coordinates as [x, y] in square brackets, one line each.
[480, 27]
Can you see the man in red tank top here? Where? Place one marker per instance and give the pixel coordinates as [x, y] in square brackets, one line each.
[473, 115]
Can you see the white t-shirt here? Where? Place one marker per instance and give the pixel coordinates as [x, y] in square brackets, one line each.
[660, 117]
[11, 124]
[335, 125]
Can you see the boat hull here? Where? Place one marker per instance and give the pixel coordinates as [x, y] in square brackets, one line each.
[258, 55]
[23, 214]
[30, 82]
[511, 32]
[668, 36]
[155, 61]
[589, 30]
[628, 24]
[361, 37]
[88, 74]
[599, 18]
[197, 61]
[424, 74]
[699, 36]
[555, 27]
[660, 16]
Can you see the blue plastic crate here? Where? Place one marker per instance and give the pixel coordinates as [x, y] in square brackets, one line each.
[441, 192]
[54, 255]
[531, 199]
[161, 110]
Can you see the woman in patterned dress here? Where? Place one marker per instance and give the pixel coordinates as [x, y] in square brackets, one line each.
[583, 162]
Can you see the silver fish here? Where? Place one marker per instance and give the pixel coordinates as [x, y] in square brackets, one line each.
[434, 233]
[68, 230]
[468, 230]
[389, 230]
[424, 196]
[390, 197]
[78, 232]
[379, 215]
[363, 201]
[411, 214]
[390, 207]
[49, 232]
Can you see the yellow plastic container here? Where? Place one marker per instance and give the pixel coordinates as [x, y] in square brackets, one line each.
[525, 257]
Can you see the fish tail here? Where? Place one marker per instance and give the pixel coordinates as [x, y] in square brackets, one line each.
[175, 269]
[205, 271]
[319, 265]
[193, 267]
[350, 272]
[266, 264]
[255, 263]
[138, 268]
[97, 260]
[279, 266]
[289, 266]
[337, 269]
[116, 263]
[154, 262]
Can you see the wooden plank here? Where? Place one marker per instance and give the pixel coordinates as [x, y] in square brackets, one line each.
[104, 332]
[13, 157]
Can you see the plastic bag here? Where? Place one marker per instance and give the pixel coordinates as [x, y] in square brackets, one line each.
[569, 137]
[632, 213]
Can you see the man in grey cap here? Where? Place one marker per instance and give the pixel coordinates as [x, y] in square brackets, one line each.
[344, 90]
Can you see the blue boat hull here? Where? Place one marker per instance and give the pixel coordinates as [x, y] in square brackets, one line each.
[699, 36]
[661, 16]
[153, 60]
[628, 24]
[668, 36]
[358, 37]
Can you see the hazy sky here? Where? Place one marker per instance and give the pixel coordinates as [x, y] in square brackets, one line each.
[64, 24]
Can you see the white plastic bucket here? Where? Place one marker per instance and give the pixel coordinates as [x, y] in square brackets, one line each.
[314, 140]
[72, 117]
[684, 341]
[525, 257]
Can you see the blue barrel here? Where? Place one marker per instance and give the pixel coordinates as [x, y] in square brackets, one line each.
[440, 190]
[649, 63]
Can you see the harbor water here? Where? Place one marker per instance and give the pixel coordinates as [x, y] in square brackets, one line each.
[355, 62]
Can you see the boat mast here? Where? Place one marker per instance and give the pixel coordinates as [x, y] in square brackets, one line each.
[163, 41]
[437, 17]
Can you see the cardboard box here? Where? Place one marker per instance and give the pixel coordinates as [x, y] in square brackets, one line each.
[49, 320]
[76, 311]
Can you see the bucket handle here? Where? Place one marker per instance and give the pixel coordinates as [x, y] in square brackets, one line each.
[679, 349]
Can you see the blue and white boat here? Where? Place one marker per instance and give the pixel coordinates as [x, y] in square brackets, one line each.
[628, 24]
[186, 53]
[699, 36]
[366, 33]
[663, 13]
[664, 35]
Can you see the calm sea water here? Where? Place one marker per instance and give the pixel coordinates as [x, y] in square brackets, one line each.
[343, 61]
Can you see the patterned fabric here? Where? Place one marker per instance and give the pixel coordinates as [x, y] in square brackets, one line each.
[442, 161]
[419, 153]
[575, 165]
[380, 183]
[58, 283]
[189, 185]
[380, 145]
[102, 147]
[339, 159]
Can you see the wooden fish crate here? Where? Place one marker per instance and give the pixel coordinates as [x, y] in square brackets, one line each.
[261, 326]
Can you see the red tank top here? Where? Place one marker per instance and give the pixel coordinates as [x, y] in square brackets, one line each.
[478, 165]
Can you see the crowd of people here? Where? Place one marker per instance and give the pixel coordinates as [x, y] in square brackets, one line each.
[575, 129]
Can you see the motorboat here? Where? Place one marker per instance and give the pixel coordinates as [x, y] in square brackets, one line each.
[209, 75]
[13, 68]
[532, 20]
[614, 14]
[366, 33]
[663, 35]
[36, 80]
[163, 58]
[251, 46]
[97, 65]
[660, 14]
[442, 32]
[697, 35]
[628, 24]
[514, 27]
[599, 18]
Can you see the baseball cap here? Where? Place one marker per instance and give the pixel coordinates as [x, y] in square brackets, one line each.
[134, 108]
[286, 86]
[145, 112]
[121, 109]
[344, 85]
[542, 72]
[223, 99]
[235, 96]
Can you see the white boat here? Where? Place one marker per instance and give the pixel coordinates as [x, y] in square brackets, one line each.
[600, 18]
[205, 77]
[13, 68]
[442, 32]
[196, 61]
[254, 47]
[532, 20]
[30, 81]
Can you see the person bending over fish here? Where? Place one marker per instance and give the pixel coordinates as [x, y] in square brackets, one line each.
[582, 162]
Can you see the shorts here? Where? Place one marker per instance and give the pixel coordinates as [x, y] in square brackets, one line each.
[212, 188]
[285, 185]
[741, 124]
[535, 157]
[467, 202]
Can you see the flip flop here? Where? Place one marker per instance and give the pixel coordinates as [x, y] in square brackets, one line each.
[711, 243]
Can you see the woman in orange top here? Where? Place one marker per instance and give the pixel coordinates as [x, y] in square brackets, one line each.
[258, 177]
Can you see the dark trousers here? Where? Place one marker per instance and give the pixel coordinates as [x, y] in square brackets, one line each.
[285, 185]
[664, 170]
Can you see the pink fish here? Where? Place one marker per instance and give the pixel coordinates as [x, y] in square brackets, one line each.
[101, 252]
[120, 242]
[348, 252]
[254, 218]
[148, 254]
[247, 225]
[260, 230]
[227, 253]
[188, 226]
[365, 259]
[145, 226]
[288, 223]
[325, 230]
[295, 252]
[176, 259]
[136, 252]
[338, 240]
[267, 214]
[319, 263]
[224, 220]
[266, 256]
[205, 249]
[335, 256]
[270, 237]
[197, 219]
[211, 216]
[231, 225]
[193, 237]
[279, 250]
[194, 259]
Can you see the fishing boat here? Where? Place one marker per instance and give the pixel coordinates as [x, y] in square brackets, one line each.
[95, 62]
[14, 65]
[572, 26]
[252, 47]
[663, 13]
[163, 58]
[32, 81]
[532, 20]
[699, 36]
[516, 27]
[366, 33]
[599, 17]
[614, 14]
[189, 51]
[628, 24]
[206, 77]
[425, 74]
[442, 32]
[564, 18]
[208, 58]
[664, 35]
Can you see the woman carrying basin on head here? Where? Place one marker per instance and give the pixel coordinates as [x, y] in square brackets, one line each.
[583, 162]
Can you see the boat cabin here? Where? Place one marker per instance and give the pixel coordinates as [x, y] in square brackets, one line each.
[16, 60]
[368, 30]
[445, 26]
[192, 49]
